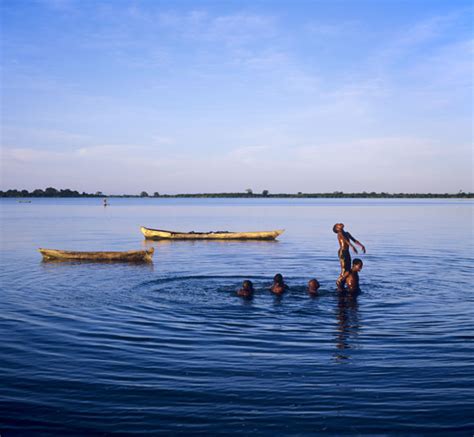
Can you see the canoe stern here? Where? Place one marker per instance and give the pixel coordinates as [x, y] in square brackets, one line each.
[127, 256]
[159, 234]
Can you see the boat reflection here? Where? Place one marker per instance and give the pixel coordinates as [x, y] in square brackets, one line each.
[348, 325]
[52, 264]
[157, 243]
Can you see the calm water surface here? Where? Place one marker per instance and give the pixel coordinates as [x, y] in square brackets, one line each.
[113, 348]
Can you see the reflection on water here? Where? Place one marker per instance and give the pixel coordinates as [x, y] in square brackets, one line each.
[158, 243]
[348, 324]
[49, 263]
[169, 348]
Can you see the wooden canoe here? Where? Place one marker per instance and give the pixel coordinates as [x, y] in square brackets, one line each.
[129, 256]
[159, 234]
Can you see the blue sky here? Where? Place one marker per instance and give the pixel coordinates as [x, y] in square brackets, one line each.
[196, 96]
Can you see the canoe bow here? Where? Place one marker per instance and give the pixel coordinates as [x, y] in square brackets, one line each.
[160, 234]
[125, 256]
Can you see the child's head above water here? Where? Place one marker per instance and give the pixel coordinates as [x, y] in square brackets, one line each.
[247, 285]
[357, 264]
[278, 279]
[313, 285]
[247, 289]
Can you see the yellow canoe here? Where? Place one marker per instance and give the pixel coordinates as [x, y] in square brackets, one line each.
[159, 234]
[128, 256]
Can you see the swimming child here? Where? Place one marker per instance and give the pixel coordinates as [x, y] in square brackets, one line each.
[313, 286]
[279, 286]
[352, 279]
[247, 289]
[344, 238]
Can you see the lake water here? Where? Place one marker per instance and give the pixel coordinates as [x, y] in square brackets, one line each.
[169, 348]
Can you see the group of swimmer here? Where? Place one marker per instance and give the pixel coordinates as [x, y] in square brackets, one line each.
[348, 279]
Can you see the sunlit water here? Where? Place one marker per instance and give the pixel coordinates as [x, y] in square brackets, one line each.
[121, 348]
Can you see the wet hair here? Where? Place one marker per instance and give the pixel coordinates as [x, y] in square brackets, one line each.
[334, 228]
[357, 262]
[247, 284]
[314, 280]
[278, 278]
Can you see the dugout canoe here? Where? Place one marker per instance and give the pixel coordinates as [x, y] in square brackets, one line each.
[160, 234]
[128, 256]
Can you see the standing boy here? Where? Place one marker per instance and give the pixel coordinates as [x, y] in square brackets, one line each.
[344, 238]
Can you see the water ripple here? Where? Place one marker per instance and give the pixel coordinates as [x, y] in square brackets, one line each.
[171, 349]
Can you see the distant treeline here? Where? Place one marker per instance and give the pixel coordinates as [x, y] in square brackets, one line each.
[336, 194]
[53, 192]
[48, 192]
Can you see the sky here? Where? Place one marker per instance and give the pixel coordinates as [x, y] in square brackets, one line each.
[220, 96]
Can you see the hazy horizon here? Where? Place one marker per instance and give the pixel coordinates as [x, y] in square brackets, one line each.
[239, 193]
[205, 96]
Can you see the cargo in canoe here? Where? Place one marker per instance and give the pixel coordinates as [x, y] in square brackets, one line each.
[159, 234]
[128, 256]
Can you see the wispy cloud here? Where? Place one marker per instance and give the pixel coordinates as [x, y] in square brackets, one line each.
[42, 137]
[251, 96]
[320, 29]
[234, 29]
[11, 156]
[368, 164]
[415, 37]
[59, 5]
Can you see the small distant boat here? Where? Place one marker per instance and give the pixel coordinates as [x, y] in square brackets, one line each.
[159, 234]
[128, 256]
[24, 201]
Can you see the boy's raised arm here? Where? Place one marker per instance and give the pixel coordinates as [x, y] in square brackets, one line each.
[350, 237]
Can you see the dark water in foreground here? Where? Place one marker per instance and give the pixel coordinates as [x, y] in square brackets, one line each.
[110, 348]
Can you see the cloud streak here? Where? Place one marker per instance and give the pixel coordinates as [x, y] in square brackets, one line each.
[248, 96]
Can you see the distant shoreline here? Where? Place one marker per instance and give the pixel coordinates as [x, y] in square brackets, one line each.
[67, 193]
